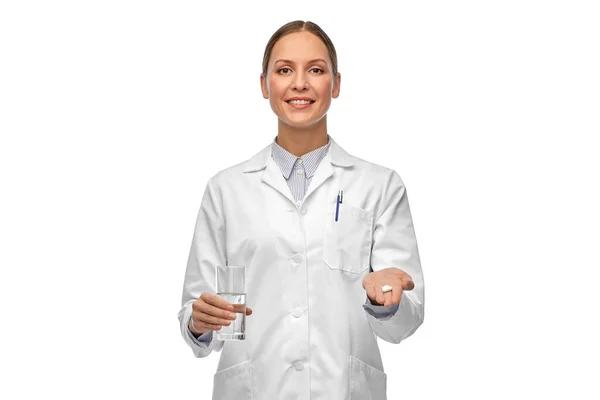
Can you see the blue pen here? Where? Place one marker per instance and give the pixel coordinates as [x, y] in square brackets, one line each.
[340, 199]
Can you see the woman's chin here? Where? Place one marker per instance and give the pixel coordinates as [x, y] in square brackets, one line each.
[299, 122]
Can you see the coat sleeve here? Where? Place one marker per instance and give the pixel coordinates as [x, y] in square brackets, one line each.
[395, 245]
[207, 251]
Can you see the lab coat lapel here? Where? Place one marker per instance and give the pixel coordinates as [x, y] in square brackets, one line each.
[335, 156]
[271, 174]
[323, 172]
[273, 177]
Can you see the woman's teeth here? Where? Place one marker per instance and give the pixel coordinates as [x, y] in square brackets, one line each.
[299, 101]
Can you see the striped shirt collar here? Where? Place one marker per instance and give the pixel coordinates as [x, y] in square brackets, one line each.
[336, 155]
[286, 160]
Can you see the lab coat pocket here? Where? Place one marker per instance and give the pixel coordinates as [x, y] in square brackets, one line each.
[347, 241]
[366, 382]
[233, 383]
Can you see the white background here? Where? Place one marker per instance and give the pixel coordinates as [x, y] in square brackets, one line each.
[114, 114]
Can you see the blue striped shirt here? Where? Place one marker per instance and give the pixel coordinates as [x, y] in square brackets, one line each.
[298, 171]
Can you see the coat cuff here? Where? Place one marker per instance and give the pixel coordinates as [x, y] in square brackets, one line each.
[380, 312]
[205, 343]
[202, 340]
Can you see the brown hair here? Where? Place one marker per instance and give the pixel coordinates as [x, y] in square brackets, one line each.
[300, 26]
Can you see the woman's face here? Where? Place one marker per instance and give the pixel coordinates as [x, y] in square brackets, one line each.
[300, 67]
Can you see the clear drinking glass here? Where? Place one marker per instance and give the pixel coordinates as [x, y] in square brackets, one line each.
[231, 286]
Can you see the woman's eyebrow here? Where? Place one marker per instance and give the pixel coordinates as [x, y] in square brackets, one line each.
[291, 62]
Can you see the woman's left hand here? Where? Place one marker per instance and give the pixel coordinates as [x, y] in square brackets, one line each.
[394, 277]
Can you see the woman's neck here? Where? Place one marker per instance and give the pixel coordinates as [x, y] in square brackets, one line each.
[300, 141]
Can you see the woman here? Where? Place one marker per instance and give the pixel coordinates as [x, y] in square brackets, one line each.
[320, 233]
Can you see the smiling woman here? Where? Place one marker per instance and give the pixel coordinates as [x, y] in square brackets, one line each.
[300, 78]
[326, 239]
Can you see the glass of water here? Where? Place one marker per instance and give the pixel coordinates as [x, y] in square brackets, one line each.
[231, 287]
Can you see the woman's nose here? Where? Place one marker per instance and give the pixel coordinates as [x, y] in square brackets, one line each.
[300, 82]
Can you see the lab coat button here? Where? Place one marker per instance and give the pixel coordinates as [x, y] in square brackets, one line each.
[299, 365]
[303, 211]
[297, 259]
[297, 312]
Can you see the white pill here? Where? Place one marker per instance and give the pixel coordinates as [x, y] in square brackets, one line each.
[386, 288]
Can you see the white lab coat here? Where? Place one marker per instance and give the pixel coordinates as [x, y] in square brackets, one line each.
[309, 336]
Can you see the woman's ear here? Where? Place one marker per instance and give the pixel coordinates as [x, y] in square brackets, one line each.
[264, 87]
[336, 86]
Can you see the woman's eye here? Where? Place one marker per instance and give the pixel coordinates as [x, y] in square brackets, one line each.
[281, 69]
[318, 69]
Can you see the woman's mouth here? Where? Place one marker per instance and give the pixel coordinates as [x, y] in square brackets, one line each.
[300, 104]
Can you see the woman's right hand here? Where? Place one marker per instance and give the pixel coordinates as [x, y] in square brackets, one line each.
[210, 312]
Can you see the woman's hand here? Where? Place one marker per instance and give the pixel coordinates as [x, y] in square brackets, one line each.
[210, 312]
[394, 277]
